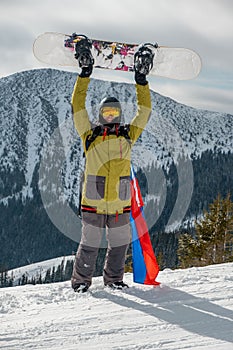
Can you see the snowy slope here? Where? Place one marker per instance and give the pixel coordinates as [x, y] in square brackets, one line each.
[192, 309]
[36, 269]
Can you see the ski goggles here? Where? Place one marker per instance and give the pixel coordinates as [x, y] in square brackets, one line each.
[107, 111]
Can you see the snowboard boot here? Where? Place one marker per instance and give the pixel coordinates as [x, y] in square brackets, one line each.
[117, 285]
[83, 52]
[143, 59]
[81, 288]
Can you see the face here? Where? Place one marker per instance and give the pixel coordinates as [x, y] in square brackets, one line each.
[110, 113]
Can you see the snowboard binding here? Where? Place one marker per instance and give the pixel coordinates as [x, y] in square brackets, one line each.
[83, 51]
[143, 58]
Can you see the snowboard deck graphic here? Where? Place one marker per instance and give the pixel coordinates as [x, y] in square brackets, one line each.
[58, 50]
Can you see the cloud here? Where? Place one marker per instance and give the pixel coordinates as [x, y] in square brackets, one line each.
[205, 26]
[212, 20]
[196, 95]
[14, 37]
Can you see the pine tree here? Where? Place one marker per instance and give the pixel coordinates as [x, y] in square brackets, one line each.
[129, 263]
[11, 280]
[214, 236]
[39, 279]
[215, 230]
[47, 278]
[160, 260]
[33, 281]
[23, 280]
[62, 272]
[68, 269]
[58, 274]
[228, 230]
[2, 279]
[53, 275]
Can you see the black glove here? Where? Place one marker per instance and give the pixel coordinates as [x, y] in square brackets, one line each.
[86, 71]
[143, 63]
[140, 78]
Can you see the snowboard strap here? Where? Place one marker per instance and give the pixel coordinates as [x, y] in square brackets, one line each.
[101, 130]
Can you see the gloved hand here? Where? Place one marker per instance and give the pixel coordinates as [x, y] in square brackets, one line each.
[143, 63]
[140, 78]
[86, 71]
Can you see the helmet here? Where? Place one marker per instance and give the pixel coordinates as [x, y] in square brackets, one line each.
[110, 102]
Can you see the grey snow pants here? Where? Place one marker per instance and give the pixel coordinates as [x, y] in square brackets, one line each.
[118, 236]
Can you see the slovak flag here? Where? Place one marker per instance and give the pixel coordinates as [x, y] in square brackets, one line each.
[145, 266]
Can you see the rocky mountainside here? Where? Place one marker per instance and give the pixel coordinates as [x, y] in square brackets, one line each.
[183, 160]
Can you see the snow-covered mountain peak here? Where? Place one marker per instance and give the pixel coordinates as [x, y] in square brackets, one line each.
[34, 103]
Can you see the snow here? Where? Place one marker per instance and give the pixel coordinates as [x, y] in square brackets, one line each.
[37, 269]
[192, 309]
[37, 104]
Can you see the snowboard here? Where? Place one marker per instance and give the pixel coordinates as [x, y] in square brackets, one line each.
[58, 49]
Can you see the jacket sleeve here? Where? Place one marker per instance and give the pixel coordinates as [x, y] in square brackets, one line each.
[143, 113]
[80, 115]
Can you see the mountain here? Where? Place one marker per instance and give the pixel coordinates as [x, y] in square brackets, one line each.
[183, 160]
[47, 271]
[191, 309]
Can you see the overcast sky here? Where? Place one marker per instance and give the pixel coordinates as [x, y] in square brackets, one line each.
[203, 25]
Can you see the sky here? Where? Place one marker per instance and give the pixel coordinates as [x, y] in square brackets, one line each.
[204, 26]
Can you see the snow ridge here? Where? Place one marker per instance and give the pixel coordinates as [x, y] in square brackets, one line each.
[34, 103]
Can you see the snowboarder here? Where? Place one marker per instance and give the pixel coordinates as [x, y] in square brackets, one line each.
[106, 194]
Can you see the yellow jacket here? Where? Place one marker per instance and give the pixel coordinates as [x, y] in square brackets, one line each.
[106, 188]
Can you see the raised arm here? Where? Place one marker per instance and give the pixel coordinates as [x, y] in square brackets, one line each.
[143, 62]
[80, 115]
[85, 61]
[143, 112]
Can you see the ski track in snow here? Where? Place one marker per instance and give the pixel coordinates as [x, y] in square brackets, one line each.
[192, 309]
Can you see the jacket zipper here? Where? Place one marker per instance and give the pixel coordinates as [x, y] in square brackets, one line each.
[120, 148]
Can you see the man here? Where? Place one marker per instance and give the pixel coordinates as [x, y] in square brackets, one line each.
[106, 195]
